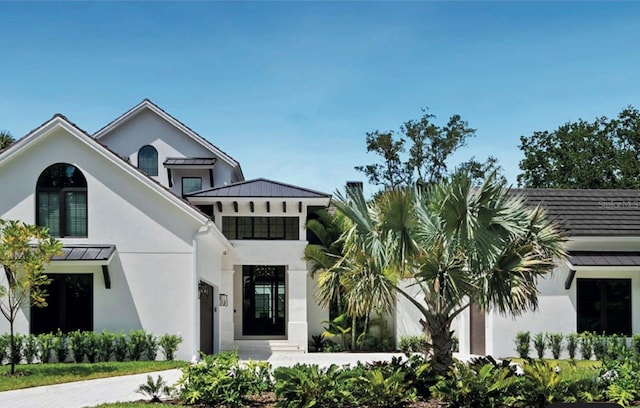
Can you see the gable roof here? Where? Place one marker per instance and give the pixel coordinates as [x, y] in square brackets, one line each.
[260, 188]
[60, 121]
[580, 212]
[146, 104]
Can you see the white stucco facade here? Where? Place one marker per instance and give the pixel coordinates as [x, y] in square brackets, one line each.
[166, 250]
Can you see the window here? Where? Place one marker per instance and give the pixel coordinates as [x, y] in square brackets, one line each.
[61, 201]
[191, 184]
[283, 228]
[604, 305]
[148, 160]
[70, 305]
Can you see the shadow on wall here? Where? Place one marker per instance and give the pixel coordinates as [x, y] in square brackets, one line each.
[114, 309]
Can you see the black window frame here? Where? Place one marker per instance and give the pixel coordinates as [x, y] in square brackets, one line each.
[155, 165]
[604, 302]
[62, 202]
[277, 228]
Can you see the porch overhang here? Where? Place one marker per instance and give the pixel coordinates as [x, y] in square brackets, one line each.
[611, 259]
[90, 255]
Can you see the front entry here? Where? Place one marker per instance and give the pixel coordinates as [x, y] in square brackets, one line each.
[206, 317]
[263, 300]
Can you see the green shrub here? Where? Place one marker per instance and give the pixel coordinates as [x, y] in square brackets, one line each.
[45, 343]
[308, 386]
[621, 380]
[220, 380]
[377, 389]
[540, 344]
[554, 340]
[76, 343]
[572, 345]
[169, 344]
[635, 343]
[91, 343]
[4, 347]
[412, 344]
[331, 346]
[523, 341]
[18, 346]
[61, 346]
[586, 345]
[137, 340]
[106, 346]
[616, 347]
[30, 348]
[120, 347]
[600, 345]
[151, 346]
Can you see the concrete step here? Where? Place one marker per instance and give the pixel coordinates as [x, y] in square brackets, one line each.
[267, 345]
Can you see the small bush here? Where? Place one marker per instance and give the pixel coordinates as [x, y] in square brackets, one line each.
[120, 347]
[412, 344]
[586, 345]
[635, 343]
[572, 345]
[4, 347]
[540, 344]
[151, 346]
[154, 389]
[31, 350]
[377, 389]
[137, 340]
[169, 344]
[45, 344]
[331, 346]
[554, 340]
[106, 340]
[523, 341]
[61, 346]
[91, 344]
[18, 346]
[76, 343]
[600, 345]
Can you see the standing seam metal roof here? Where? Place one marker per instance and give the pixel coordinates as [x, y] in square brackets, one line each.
[260, 188]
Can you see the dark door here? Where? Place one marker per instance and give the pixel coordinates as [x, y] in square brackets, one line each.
[477, 332]
[264, 300]
[206, 317]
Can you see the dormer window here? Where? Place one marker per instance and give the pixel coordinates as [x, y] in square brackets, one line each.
[148, 160]
[61, 201]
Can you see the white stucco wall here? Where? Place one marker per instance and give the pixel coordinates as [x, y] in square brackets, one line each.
[152, 273]
[147, 128]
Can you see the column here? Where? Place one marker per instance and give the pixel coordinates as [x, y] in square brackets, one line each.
[297, 329]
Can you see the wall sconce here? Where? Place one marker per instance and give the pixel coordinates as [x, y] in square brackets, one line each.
[224, 300]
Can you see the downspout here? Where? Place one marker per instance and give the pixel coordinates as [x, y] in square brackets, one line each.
[196, 279]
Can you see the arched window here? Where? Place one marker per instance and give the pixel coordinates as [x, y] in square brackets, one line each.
[148, 160]
[61, 201]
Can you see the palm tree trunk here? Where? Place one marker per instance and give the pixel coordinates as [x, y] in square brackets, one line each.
[353, 333]
[439, 331]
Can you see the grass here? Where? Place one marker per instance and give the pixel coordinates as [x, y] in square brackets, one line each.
[565, 364]
[135, 405]
[34, 375]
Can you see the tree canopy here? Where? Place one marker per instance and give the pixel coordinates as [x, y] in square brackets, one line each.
[604, 153]
[5, 139]
[419, 151]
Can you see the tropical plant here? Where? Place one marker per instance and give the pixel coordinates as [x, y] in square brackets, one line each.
[25, 252]
[120, 346]
[30, 350]
[5, 139]
[586, 345]
[338, 326]
[459, 244]
[318, 341]
[151, 346]
[600, 345]
[540, 344]
[377, 389]
[5, 340]
[17, 349]
[572, 344]
[61, 346]
[169, 344]
[410, 344]
[554, 340]
[523, 344]
[137, 341]
[45, 343]
[106, 341]
[92, 348]
[154, 389]
[76, 343]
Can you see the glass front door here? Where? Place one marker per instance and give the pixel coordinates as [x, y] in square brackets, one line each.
[264, 296]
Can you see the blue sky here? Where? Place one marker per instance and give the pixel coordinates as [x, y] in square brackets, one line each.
[290, 89]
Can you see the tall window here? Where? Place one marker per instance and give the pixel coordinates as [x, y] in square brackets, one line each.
[61, 201]
[191, 184]
[604, 305]
[284, 228]
[70, 305]
[148, 160]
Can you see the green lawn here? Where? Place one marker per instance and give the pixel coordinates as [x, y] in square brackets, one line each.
[33, 375]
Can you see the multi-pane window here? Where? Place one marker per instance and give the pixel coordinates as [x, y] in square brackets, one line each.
[61, 201]
[604, 306]
[283, 228]
[191, 184]
[148, 160]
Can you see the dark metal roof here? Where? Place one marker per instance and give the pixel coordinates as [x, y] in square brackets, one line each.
[190, 161]
[85, 253]
[604, 258]
[591, 212]
[260, 188]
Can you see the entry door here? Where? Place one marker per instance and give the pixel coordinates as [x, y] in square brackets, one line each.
[206, 317]
[264, 300]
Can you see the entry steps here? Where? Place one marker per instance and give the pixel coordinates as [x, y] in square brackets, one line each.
[273, 346]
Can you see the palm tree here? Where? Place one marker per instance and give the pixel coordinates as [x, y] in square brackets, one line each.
[5, 139]
[459, 244]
